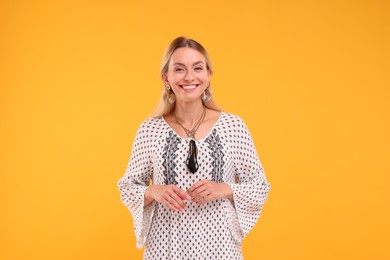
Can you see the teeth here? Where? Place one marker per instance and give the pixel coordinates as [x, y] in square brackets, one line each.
[189, 87]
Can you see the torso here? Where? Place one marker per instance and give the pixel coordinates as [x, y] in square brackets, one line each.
[201, 231]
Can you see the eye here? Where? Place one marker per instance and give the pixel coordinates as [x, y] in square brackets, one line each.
[178, 69]
[198, 68]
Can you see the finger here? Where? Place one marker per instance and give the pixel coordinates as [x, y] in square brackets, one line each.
[172, 204]
[202, 189]
[203, 200]
[196, 185]
[181, 193]
[196, 189]
[204, 193]
[171, 207]
[176, 200]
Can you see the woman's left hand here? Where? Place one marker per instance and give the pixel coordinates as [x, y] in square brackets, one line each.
[206, 190]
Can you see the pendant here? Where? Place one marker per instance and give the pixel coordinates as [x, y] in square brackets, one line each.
[192, 160]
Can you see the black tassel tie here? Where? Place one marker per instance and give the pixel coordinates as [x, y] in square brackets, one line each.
[192, 159]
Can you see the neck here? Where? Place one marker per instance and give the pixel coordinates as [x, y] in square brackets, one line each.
[189, 113]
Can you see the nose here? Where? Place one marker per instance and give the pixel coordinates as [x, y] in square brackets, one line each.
[189, 77]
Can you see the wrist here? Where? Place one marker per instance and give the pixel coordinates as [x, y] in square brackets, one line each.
[228, 192]
[149, 193]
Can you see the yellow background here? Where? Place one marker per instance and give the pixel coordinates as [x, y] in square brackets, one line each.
[310, 79]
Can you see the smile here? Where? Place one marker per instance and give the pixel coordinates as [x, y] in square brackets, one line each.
[189, 87]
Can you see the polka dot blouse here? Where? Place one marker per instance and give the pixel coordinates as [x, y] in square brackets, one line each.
[213, 230]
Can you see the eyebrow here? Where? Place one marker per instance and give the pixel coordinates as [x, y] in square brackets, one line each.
[196, 63]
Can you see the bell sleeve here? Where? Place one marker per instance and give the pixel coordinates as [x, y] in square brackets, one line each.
[133, 184]
[250, 191]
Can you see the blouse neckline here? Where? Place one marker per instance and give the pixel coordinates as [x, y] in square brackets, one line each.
[198, 140]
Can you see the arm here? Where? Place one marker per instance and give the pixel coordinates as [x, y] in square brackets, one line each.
[251, 191]
[134, 183]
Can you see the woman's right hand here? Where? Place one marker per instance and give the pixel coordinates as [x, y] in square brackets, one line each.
[170, 196]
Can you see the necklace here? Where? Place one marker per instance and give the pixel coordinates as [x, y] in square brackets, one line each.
[192, 159]
[191, 133]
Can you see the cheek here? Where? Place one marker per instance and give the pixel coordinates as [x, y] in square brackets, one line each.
[205, 78]
[175, 77]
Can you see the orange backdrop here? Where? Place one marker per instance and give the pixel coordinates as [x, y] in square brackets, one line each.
[310, 79]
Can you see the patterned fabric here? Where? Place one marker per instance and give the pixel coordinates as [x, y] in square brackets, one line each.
[213, 230]
[216, 153]
[169, 158]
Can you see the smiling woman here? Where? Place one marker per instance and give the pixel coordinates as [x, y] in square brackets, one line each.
[167, 102]
[188, 76]
[209, 187]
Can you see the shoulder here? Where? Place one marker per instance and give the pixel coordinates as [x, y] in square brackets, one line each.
[232, 121]
[234, 128]
[152, 125]
[149, 132]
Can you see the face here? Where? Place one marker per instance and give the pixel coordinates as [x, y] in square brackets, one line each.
[187, 74]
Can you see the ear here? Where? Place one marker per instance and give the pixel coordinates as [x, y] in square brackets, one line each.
[164, 78]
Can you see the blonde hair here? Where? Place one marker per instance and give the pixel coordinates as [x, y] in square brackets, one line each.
[164, 106]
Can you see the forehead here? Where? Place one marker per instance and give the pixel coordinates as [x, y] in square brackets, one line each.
[186, 55]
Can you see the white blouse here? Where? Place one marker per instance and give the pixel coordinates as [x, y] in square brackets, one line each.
[215, 229]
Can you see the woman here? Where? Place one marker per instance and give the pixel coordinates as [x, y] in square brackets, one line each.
[208, 187]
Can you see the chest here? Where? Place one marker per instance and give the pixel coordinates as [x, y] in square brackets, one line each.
[170, 156]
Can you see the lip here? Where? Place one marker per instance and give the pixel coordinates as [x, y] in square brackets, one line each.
[189, 86]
